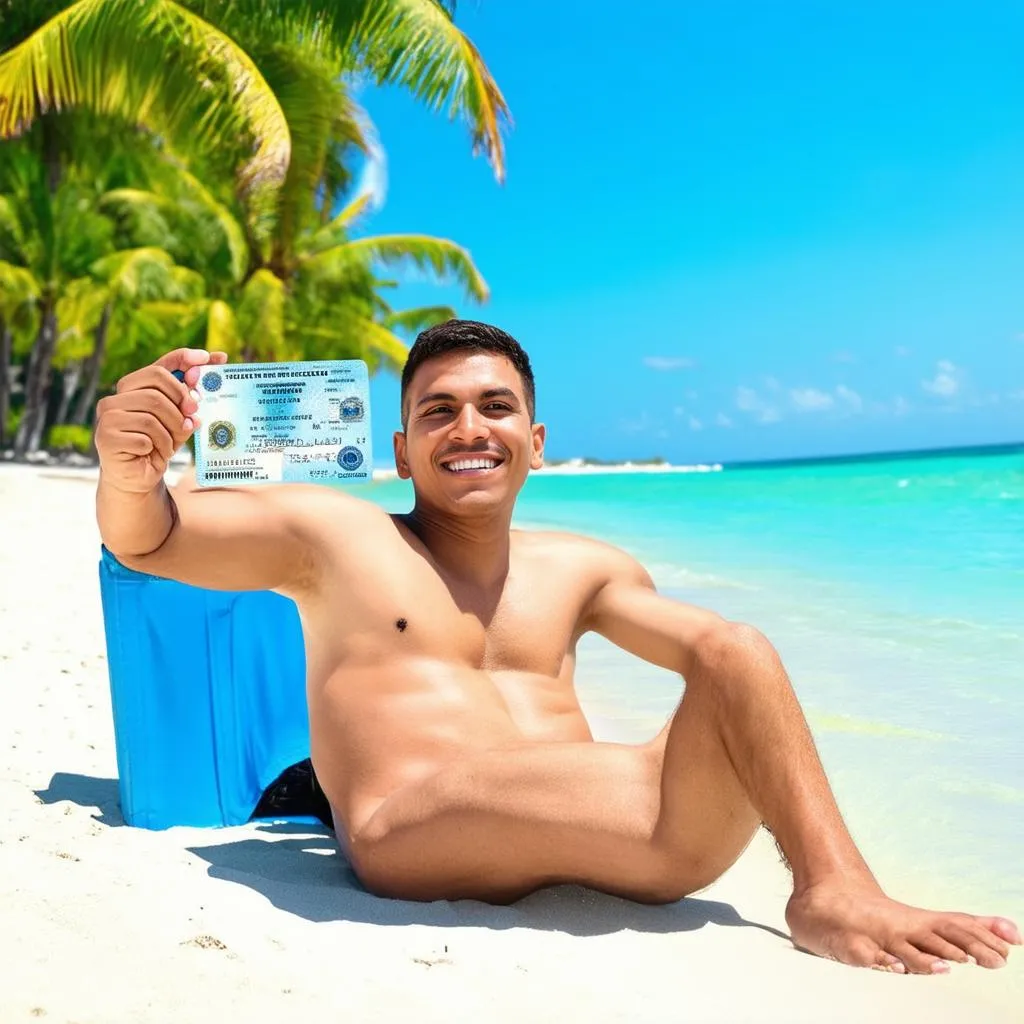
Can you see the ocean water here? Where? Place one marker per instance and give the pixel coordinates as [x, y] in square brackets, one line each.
[894, 591]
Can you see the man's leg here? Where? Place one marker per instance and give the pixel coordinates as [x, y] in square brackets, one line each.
[661, 821]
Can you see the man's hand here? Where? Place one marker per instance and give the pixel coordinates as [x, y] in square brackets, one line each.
[150, 417]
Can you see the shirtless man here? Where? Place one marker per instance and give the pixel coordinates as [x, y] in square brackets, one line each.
[440, 651]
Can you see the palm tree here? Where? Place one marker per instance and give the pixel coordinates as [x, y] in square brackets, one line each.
[251, 92]
[61, 277]
[183, 69]
[47, 239]
[319, 297]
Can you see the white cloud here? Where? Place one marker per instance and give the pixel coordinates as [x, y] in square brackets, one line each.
[722, 420]
[844, 357]
[850, 398]
[637, 426]
[679, 410]
[902, 351]
[748, 400]
[695, 424]
[983, 400]
[691, 395]
[772, 383]
[1016, 396]
[669, 362]
[900, 406]
[946, 382]
[811, 399]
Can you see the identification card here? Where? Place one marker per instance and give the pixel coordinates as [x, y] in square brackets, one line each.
[266, 423]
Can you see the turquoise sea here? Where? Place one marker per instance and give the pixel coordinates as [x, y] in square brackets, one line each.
[894, 590]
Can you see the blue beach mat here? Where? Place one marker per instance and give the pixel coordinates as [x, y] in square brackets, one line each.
[209, 697]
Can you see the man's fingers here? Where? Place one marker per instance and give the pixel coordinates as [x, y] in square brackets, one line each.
[193, 373]
[162, 440]
[170, 415]
[184, 358]
[157, 379]
[134, 444]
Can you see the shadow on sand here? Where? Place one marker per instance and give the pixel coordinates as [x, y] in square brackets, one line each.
[298, 869]
[86, 791]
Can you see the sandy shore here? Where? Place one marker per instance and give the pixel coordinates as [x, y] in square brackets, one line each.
[104, 923]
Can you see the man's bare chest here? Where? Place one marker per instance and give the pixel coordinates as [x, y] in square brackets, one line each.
[398, 604]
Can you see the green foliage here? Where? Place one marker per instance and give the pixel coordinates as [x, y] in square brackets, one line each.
[152, 61]
[70, 438]
[173, 172]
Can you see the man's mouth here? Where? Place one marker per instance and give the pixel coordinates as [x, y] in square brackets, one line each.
[472, 465]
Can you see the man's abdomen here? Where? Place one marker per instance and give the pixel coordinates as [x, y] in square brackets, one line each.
[377, 728]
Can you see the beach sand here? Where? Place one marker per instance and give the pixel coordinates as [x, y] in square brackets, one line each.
[104, 923]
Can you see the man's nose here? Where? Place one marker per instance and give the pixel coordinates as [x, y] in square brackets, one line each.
[469, 425]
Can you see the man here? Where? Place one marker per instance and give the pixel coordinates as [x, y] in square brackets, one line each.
[440, 647]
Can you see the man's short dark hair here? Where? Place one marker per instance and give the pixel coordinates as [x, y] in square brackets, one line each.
[471, 336]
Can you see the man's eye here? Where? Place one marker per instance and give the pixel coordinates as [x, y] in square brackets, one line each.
[499, 405]
[439, 408]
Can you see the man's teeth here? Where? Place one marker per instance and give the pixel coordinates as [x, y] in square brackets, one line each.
[458, 467]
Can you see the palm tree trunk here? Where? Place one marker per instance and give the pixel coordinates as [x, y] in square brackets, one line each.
[93, 366]
[38, 369]
[37, 379]
[6, 377]
[6, 352]
[68, 386]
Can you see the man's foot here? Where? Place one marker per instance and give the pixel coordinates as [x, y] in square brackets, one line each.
[867, 929]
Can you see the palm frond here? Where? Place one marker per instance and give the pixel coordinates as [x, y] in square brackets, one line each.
[412, 321]
[438, 257]
[150, 62]
[190, 222]
[336, 230]
[188, 284]
[12, 240]
[228, 225]
[142, 218]
[261, 316]
[138, 274]
[18, 287]
[357, 338]
[79, 309]
[381, 344]
[222, 329]
[320, 115]
[415, 44]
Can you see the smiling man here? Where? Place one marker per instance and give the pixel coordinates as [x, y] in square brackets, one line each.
[440, 645]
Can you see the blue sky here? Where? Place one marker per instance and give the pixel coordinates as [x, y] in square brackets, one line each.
[737, 230]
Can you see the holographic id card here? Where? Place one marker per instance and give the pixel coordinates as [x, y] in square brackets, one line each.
[266, 423]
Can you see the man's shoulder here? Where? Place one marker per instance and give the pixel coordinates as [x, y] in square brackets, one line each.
[585, 552]
[318, 510]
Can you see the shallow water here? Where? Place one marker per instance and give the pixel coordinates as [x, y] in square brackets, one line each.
[894, 590]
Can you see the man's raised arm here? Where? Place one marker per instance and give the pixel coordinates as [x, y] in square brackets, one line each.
[219, 539]
[634, 616]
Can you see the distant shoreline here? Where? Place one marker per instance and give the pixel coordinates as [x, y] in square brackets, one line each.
[965, 451]
[582, 467]
[79, 465]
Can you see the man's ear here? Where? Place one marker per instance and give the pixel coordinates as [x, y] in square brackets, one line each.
[401, 463]
[537, 454]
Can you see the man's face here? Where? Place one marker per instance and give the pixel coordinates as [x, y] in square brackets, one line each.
[468, 440]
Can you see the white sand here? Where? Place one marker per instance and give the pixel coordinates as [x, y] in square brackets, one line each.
[103, 923]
